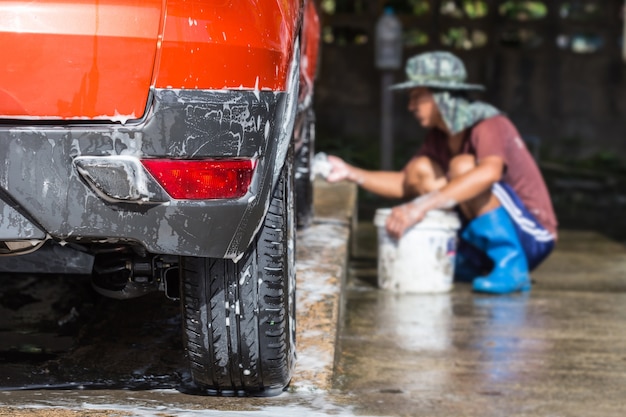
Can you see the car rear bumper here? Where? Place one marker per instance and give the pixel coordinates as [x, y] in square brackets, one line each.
[44, 194]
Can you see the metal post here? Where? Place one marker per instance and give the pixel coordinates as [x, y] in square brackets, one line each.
[388, 59]
[624, 36]
[386, 122]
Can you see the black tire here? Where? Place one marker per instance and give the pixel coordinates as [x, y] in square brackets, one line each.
[304, 171]
[239, 318]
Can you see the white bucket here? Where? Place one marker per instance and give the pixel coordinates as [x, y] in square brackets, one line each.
[422, 260]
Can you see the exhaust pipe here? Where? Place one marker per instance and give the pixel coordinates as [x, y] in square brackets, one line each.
[171, 277]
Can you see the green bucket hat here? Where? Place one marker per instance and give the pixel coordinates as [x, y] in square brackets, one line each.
[441, 70]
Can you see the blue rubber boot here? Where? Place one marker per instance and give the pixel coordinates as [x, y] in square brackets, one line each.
[494, 234]
[470, 262]
[464, 269]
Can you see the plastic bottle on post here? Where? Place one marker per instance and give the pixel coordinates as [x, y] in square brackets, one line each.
[388, 41]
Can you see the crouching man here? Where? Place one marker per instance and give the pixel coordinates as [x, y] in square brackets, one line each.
[474, 159]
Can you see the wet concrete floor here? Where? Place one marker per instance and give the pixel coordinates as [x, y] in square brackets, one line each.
[559, 350]
[547, 354]
[64, 350]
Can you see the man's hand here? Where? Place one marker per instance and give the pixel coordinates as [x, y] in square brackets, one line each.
[340, 170]
[404, 216]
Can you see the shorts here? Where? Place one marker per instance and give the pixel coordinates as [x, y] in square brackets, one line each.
[536, 241]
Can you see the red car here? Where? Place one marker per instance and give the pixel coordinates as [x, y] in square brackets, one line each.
[155, 145]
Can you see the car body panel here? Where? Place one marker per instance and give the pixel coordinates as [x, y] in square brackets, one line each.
[97, 60]
[311, 29]
[16, 226]
[61, 129]
[229, 45]
[84, 59]
[41, 177]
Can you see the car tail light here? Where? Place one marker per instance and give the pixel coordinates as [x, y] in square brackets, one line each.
[186, 179]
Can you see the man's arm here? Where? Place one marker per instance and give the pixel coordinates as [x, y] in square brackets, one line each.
[458, 190]
[469, 185]
[387, 184]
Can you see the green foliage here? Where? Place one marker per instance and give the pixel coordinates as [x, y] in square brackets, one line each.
[344, 35]
[462, 38]
[344, 6]
[419, 7]
[523, 10]
[414, 38]
[328, 6]
[473, 9]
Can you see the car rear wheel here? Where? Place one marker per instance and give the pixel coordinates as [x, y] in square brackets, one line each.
[239, 318]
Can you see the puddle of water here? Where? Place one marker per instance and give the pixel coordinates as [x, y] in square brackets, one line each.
[309, 403]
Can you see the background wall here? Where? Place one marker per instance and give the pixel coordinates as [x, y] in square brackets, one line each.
[555, 67]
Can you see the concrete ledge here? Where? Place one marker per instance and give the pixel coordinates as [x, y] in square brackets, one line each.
[321, 262]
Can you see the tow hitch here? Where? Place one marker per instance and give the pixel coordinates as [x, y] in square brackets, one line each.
[124, 276]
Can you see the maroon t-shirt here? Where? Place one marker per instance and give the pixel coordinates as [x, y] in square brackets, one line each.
[497, 136]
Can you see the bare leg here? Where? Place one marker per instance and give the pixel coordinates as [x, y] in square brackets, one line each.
[422, 176]
[482, 203]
